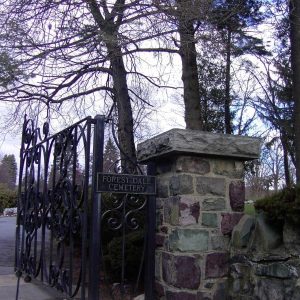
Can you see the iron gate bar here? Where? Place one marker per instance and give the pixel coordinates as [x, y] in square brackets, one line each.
[94, 264]
[47, 216]
[35, 204]
[85, 221]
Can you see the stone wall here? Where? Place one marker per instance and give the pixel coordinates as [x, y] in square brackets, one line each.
[199, 202]
[200, 198]
[265, 263]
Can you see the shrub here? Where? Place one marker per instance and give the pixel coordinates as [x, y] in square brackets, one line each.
[8, 197]
[133, 254]
[281, 206]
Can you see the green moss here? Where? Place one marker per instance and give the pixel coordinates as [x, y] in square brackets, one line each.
[249, 209]
[281, 206]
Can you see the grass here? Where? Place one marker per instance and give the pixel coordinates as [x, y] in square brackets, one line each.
[249, 209]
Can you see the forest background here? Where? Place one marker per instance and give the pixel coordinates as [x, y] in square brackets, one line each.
[226, 66]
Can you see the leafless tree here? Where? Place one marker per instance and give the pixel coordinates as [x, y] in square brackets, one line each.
[72, 50]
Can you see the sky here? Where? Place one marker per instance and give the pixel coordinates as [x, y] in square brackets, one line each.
[166, 114]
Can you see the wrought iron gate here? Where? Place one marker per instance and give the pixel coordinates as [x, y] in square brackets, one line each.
[73, 235]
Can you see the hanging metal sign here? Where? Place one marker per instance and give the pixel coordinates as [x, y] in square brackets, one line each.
[126, 183]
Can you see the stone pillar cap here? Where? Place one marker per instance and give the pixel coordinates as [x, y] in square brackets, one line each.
[194, 142]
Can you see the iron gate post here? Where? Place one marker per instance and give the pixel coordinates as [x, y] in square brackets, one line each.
[95, 243]
[150, 247]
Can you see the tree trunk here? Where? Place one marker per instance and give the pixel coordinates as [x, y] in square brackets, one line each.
[125, 118]
[295, 61]
[227, 101]
[109, 31]
[191, 94]
[287, 174]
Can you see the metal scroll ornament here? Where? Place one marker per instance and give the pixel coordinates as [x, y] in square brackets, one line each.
[52, 209]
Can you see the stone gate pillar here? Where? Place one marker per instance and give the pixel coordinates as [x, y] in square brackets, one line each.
[200, 198]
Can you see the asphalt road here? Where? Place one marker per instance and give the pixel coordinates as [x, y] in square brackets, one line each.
[7, 241]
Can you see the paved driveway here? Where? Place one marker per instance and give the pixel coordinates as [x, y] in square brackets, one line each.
[7, 241]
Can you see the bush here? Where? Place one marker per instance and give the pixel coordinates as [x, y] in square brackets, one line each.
[281, 206]
[8, 197]
[134, 242]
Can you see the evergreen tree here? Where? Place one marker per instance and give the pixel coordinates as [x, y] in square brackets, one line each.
[276, 108]
[294, 18]
[232, 18]
[212, 87]
[9, 171]
[110, 156]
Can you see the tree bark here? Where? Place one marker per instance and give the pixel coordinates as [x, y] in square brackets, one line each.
[125, 118]
[287, 174]
[227, 101]
[109, 29]
[191, 94]
[295, 61]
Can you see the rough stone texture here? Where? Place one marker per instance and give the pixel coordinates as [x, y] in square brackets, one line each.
[189, 211]
[291, 238]
[242, 231]
[210, 219]
[158, 265]
[162, 188]
[278, 270]
[237, 195]
[188, 240]
[265, 268]
[204, 296]
[160, 240]
[159, 218]
[229, 220]
[182, 210]
[192, 164]
[177, 271]
[221, 291]
[239, 269]
[172, 295]
[159, 203]
[219, 242]
[210, 185]
[164, 166]
[164, 229]
[159, 290]
[266, 236]
[296, 291]
[171, 210]
[269, 289]
[181, 184]
[216, 265]
[229, 168]
[194, 171]
[180, 141]
[210, 204]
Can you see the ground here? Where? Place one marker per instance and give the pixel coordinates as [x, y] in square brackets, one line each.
[7, 242]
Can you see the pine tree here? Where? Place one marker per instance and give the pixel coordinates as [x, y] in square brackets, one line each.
[9, 171]
[110, 156]
[232, 18]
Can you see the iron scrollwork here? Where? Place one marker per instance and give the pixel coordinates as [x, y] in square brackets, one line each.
[52, 207]
[124, 215]
[56, 216]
